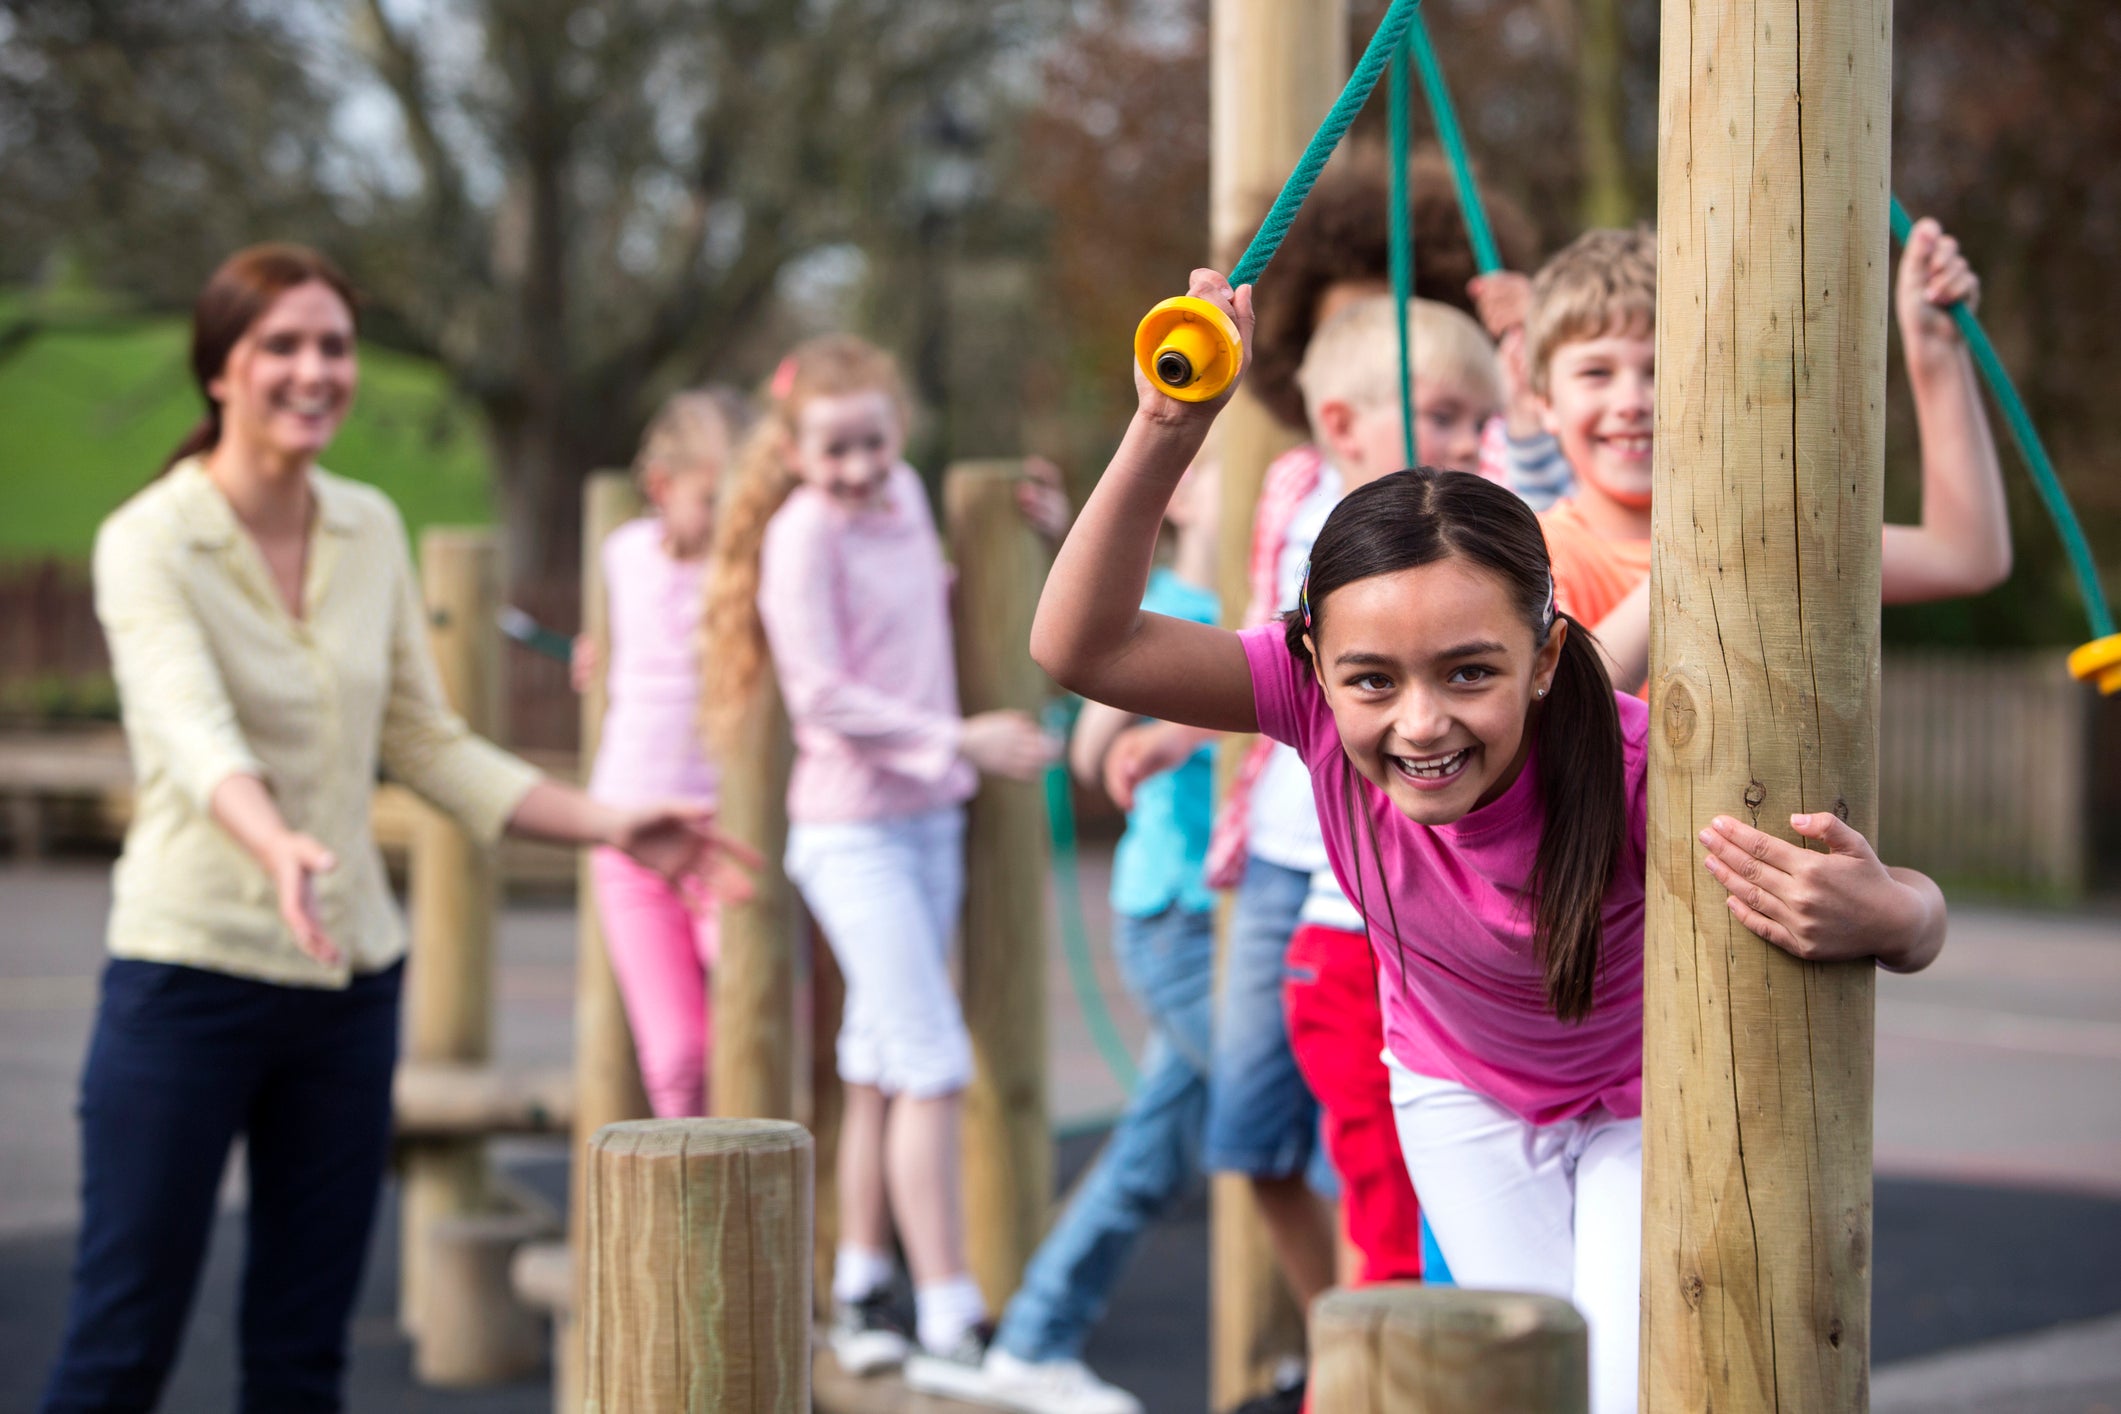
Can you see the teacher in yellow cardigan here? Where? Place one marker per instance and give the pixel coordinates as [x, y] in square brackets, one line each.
[270, 650]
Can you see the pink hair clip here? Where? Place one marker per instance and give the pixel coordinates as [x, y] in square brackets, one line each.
[783, 379]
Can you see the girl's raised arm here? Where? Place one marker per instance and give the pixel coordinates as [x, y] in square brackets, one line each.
[1091, 634]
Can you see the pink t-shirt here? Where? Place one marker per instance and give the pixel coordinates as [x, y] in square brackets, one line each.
[857, 610]
[1471, 1004]
[650, 748]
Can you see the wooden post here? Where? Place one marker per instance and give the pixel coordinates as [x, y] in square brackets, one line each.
[1775, 125]
[476, 1330]
[1445, 1350]
[1276, 67]
[752, 1072]
[828, 998]
[1008, 1149]
[455, 889]
[699, 1267]
[607, 1078]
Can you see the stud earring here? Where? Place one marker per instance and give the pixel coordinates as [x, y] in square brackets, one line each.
[1539, 692]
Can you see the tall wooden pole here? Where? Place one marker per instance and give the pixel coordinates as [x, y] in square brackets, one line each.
[1008, 1148]
[1445, 1350]
[699, 1267]
[1276, 67]
[752, 1072]
[455, 891]
[607, 1078]
[1764, 642]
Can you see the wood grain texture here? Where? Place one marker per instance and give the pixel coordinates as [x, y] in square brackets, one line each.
[1008, 1147]
[752, 1067]
[607, 1078]
[454, 891]
[1405, 1348]
[477, 1330]
[1772, 315]
[1275, 68]
[699, 1267]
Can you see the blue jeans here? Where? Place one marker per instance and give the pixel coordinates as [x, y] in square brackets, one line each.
[182, 1061]
[1153, 1156]
[1262, 1118]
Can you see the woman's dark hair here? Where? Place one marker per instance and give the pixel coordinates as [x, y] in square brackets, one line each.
[1344, 233]
[1418, 517]
[235, 298]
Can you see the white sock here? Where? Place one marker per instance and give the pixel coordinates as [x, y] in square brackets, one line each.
[945, 1310]
[859, 1272]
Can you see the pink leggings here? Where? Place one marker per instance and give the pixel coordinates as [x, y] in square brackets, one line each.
[661, 950]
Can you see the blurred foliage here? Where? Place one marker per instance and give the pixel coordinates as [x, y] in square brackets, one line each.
[578, 207]
[53, 699]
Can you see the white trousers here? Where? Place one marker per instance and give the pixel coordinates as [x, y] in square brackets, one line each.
[1554, 1209]
[888, 894]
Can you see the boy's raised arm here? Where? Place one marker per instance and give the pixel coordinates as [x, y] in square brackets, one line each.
[1090, 633]
[1962, 544]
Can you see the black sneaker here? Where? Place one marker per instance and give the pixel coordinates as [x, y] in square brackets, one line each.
[1289, 1399]
[956, 1373]
[866, 1336]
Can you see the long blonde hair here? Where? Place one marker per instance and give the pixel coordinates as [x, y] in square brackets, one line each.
[733, 652]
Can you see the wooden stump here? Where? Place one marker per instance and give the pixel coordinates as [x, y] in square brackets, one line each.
[455, 891]
[1008, 1148]
[1771, 324]
[752, 1066]
[699, 1268]
[477, 1331]
[1404, 1348]
[1275, 68]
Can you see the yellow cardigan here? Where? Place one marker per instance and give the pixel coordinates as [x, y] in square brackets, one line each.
[216, 679]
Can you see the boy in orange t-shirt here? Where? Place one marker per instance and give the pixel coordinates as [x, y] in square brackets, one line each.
[1590, 358]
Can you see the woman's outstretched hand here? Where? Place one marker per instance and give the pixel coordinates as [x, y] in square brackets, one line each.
[1826, 907]
[295, 863]
[1206, 285]
[681, 843]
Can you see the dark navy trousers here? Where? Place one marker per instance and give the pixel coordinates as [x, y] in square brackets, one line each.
[182, 1061]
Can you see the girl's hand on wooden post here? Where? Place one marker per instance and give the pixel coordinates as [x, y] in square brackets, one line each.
[583, 663]
[1206, 285]
[296, 861]
[1007, 744]
[1043, 501]
[681, 843]
[1826, 907]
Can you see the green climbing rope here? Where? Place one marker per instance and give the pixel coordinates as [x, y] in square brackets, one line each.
[2030, 448]
[1453, 139]
[1075, 935]
[1338, 118]
[1402, 243]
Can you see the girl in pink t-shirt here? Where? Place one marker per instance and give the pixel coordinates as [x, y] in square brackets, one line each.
[827, 560]
[661, 941]
[1481, 791]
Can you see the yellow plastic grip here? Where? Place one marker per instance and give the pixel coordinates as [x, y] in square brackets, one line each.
[1188, 348]
[2099, 661]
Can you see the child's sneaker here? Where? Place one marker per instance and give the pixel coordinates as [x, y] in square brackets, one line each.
[1048, 1387]
[866, 1337]
[956, 1373]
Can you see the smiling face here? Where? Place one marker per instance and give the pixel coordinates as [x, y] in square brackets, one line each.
[289, 381]
[1599, 404]
[1431, 674]
[846, 445]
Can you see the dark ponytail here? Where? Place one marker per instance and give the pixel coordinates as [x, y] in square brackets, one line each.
[1418, 517]
[236, 297]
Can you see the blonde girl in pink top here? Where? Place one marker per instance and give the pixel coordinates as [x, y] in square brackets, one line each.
[828, 557]
[661, 937]
[1481, 792]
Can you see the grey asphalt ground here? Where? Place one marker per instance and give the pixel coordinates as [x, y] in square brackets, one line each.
[1998, 1243]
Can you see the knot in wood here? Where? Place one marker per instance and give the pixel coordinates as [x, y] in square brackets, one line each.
[1680, 715]
[1755, 795]
[1691, 1287]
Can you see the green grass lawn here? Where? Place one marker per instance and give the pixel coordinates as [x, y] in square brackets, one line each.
[91, 404]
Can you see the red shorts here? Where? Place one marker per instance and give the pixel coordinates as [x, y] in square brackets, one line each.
[1337, 1031]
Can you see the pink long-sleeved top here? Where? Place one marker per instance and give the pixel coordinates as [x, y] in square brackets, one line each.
[650, 749]
[856, 606]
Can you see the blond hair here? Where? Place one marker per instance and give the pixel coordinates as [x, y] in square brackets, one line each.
[1603, 282]
[695, 428]
[1355, 356]
[733, 651]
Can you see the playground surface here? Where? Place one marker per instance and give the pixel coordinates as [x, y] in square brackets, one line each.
[1997, 1283]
